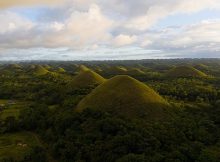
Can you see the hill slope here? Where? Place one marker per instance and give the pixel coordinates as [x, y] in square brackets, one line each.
[86, 78]
[185, 71]
[83, 68]
[135, 71]
[116, 70]
[61, 70]
[40, 70]
[126, 96]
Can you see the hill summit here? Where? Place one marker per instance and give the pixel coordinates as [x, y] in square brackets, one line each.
[83, 68]
[125, 96]
[61, 70]
[40, 70]
[185, 71]
[86, 78]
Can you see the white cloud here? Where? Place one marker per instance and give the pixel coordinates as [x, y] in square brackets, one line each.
[200, 37]
[92, 24]
[79, 30]
[122, 40]
[11, 22]
[157, 10]
[15, 3]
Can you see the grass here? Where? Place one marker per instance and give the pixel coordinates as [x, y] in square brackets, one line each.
[117, 70]
[9, 113]
[136, 71]
[61, 70]
[86, 78]
[123, 95]
[11, 110]
[10, 145]
[3, 101]
[83, 68]
[40, 70]
[185, 71]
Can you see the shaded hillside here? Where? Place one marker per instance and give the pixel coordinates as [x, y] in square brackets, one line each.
[61, 70]
[185, 71]
[135, 71]
[126, 96]
[86, 78]
[39, 70]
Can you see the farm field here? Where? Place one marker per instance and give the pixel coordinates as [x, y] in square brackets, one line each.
[17, 145]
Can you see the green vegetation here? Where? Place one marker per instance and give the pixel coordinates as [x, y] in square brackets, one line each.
[61, 70]
[85, 79]
[10, 108]
[202, 67]
[39, 70]
[82, 68]
[123, 95]
[185, 71]
[147, 116]
[17, 145]
[136, 71]
[116, 70]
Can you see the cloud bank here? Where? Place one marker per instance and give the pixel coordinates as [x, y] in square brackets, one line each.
[16, 3]
[94, 24]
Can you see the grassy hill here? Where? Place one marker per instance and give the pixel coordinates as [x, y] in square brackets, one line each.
[185, 71]
[135, 71]
[40, 70]
[47, 66]
[83, 68]
[126, 96]
[61, 70]
[86, 78]
[14, 66]
[116, 70]
[201, 67]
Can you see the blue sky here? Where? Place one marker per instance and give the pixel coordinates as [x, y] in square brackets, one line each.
[103, 30]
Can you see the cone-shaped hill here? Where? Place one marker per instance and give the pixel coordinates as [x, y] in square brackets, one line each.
[125, 96]
[83, 68]
[135, 71]
[201, 67]
[14, 66]
[185, 71]
[116, 70]
[86, 78]
[61, 70]
[47, 66]
[40, 70]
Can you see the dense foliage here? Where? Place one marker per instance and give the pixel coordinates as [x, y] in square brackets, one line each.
[191, 134]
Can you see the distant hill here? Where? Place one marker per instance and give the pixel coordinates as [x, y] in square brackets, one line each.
[11, 68]
[39, 70]
[14, 66]
[185, 71]
[97, 68]
[201, 67]
[126, 96]
[47, 66]
[83, 68]
[86, 78]
[115, 70]
[61, 70]
[135, 71]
